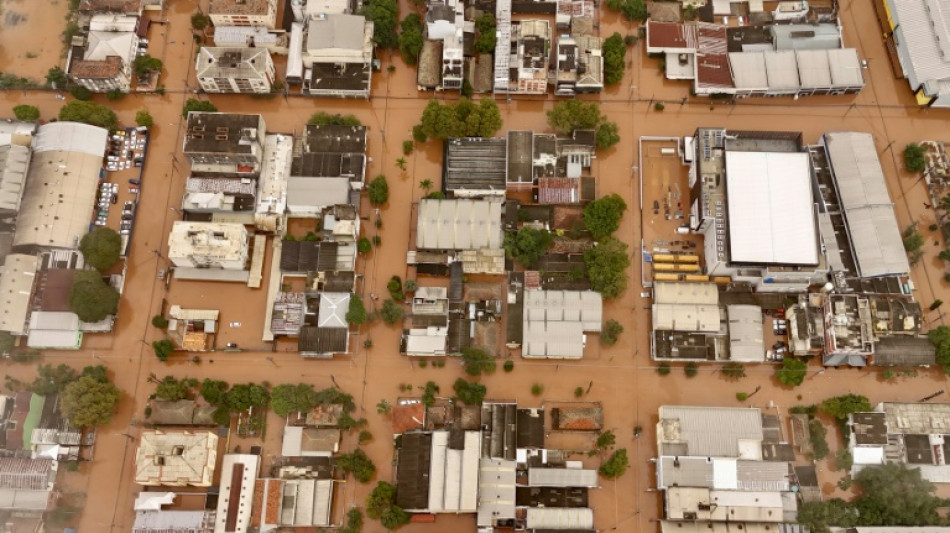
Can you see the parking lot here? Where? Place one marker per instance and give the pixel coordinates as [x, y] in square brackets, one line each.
[120, 182]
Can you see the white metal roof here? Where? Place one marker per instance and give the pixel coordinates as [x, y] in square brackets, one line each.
[333, 309]
[710, 431]
[496, 491]
[562, 477]
[746, 342]
[16, 285]
[782, 69]
[771, 212]
[246, 492]
[665, 292]
[453, 474]
[554, 322]
[868, 455]
[459, 225]
[924, 29]
[560, 518]
[686, 317]
[748, 71]
[845, 67]
[862, 192]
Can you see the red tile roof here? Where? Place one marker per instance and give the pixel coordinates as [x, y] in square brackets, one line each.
[559, 190]
[407, 417]
[670, 35]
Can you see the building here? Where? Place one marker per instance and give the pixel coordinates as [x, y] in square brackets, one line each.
[428, 335]
[103, 60]
[529, 45]
[459, 225]
[302, 441]
[26, 485]
[724, 465]
[192, 330]
[236, 492]
[326, 332]
[302, 497]
[16, 288]
[442, 60]
[208, 245]
[274, 41]
[176, 458]
[224, 144]
[436, 475]
[917, 31]
[328, 168]
[475, 167]
[61, 186]
[234, 70]
[908, 433]
[580, 60]
[160, 521]
[556, 323]
[15, 156]
[337, 56]
[734, 174]
[770, 60]
[244, 13]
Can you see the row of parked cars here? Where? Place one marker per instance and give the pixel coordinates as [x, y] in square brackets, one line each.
[108, 195]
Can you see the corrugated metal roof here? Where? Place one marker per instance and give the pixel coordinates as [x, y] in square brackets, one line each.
[560, 518]
[782, 69]
[863, 196]
[554, 322]
[748, 71]
[459, 225]
[685, 293]
[562, 477]
[686, 317]
[711, 431]
[746, 342]
[923, 28]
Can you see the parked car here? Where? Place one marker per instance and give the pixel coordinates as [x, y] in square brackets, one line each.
[134, 182]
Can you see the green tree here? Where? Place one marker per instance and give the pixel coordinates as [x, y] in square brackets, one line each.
[602, 216]
[385, 17]
[634, 10]
[486, 37]
[354, 521]
[537, 389]
[394, 286]
[381, 505]
[172, 390]
[100, 248]
[52, 379]
[663, 369]
[895, 495]
[914, 158]
[358, 464]
[611, 332]
[841, 406]
[606, 440]
[425, 185]
[607, 135]
[56, 78]
[378, 190]
[91, 298]
[286, 399]
[477, 361]
[817, 437]
[607, 267]
[25, 112]
[363, 245]
[200, 21]
[163, 349]
[243, 396]
[571, 115]
[616, 465]
[144, 118]
[98, 372]
[145, 65]
[88, 402]
[7, 342]
[80, 93]
[115, 95]
[528, 246]
[469, 392]
[691, 369]
[820, 517]
[410, 38]
[384, 407]
[733, 370]
[391, 312]
[428, 395]
[356, 314]
[844, 460]
[88, 113]
[322, 118]
[334, 396]
[940, 338]
[792, 372]
[193, 104]
[214, 391]
[463, 118]
[160, 322]
[614, 51]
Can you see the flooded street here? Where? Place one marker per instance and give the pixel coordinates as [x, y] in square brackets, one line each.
[30, 41]
[621, 377]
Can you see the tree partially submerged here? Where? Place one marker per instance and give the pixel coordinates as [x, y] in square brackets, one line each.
[914, 158]
[101, 248]
[26, 112]
[573, 115]
[193, 104]
[286, 399]
[358, 464]
[91, 298]
[356, 314]
[611, 332]
[477, 361]
[940, 338]
[528, 245]
[792, 372]
[322, 118]
[88, 401]
[602, 216]
[614, 50]
[381, 505]
[616, 465]
[392, 312]
[607, 265]
[385, 17]
[89, 113]
[469, 392]
[463, 118]
[411, 38]
[378, 190]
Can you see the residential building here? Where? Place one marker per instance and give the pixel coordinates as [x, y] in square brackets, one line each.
[556, 323]
[275, 172]
[61, 186]
[908, 433]
[224, 144]
[580, 60]
[428, 334]
[326, 332]
[26, 485]
[337, 56]
[176, 458]
[238, 477]
[302, 441]
[917, 31]
[719, 465]
[302, 497]
[244, 13]
[328, 168]
[132, 8]
[181, 413]
[529, 46]
[209, 250]
[160, 521]
[54, 330]
[192, 330]
[442, 62]
[102, 61]
[274, 41]
[234, 70]
[771, 60]
[15, 157]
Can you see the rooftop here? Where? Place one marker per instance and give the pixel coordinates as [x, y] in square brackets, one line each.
[239, 7]
[710, 431]
[235, 63]
[555, 322]
[926, 40]
[459, 225]
[475, 164]
[223, 133]
[176, 458]
[222, 240]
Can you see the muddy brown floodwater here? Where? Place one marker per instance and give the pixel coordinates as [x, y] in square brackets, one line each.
[621, 377]
[30, 42]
